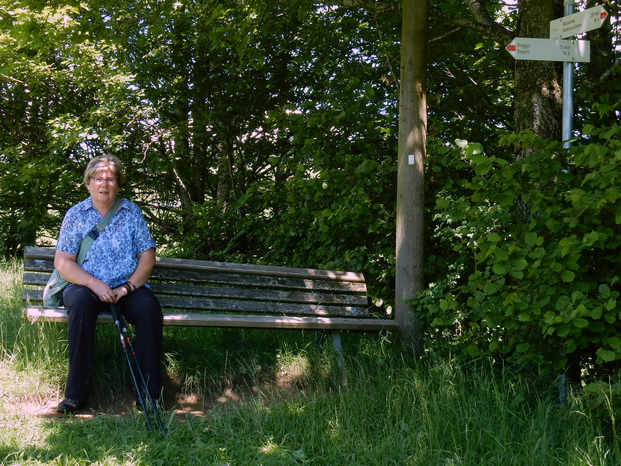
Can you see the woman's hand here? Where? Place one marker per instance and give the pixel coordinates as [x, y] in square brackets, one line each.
[119, 292]
[103, 291]
[69, 269]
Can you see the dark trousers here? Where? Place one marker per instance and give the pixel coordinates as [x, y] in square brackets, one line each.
[140, 308]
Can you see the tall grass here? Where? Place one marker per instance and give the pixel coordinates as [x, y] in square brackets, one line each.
[277, 398]
[10, 302]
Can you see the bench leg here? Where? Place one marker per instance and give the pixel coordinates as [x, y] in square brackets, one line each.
[338, 349]
[340, 360]
[337, 346]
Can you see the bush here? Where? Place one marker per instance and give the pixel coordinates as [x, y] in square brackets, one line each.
[538, 243]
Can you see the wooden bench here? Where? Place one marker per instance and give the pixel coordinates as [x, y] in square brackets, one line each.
[222, 294]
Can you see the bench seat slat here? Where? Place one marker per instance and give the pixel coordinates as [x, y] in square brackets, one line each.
[34, 314]
[209, 304]
[237, 305]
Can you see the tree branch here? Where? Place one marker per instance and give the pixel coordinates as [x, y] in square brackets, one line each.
[371, 5]
[446, 34]
[484, 24]
[11, 78]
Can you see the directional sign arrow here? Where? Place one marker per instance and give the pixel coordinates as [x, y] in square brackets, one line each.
[529, 48]
[580, 22]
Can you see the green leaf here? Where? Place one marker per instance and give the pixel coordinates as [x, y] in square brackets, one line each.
[590, 238]
[567, 276]
[520, 264]
[562, 303]
[537, 253]
[476, 148]
[556, 267]
[490, 288]
[567, 245]
[577, 296]
[499, 269]
[517, 274]
[595, 313]
[606, 355]
[493, 237]
[569, 346]
[553, 225]
[501, 254]
[473, 350]
[614, 342]
[522, 347]
[531, 238]
[442, 203]
[604, 291]
[580, 323]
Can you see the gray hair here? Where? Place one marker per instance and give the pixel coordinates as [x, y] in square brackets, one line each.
[107, 161]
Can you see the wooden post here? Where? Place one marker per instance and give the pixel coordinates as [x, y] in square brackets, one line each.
[410, 178]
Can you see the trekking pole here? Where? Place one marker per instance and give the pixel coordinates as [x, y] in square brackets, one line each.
[128, 349]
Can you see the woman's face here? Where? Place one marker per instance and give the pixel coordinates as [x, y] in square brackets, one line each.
[103, 186]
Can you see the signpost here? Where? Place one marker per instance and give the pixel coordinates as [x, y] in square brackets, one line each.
[529, 48]
[567, 110]
[567, 51]
[577, 23]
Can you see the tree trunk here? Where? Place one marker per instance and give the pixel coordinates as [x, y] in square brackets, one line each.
[410, 178]
[225, 175]
[537, 84]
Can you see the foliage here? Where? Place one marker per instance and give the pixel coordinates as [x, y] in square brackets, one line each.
[538, 240]
[65, 101]
[266, 131]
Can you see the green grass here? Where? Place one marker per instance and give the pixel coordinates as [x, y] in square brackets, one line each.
[276, 398]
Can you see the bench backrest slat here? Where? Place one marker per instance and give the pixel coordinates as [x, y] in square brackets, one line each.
[293, 296]
[239, 305]
[228, 278]
[47, 254]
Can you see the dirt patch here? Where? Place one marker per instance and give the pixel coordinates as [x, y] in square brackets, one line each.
[184, 405]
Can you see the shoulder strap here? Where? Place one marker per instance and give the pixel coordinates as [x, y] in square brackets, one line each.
[101, 226]
[94, 233]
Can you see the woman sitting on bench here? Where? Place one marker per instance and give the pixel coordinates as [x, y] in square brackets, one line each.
[114, 271]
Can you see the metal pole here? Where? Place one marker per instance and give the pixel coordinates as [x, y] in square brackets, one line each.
[568, 114]
[568, 90]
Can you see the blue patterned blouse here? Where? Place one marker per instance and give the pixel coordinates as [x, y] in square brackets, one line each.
[112, 256]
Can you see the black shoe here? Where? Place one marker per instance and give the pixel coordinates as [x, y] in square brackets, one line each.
[68, 406]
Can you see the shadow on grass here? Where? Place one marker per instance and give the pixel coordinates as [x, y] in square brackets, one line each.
[244, 376]
[207, 367]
